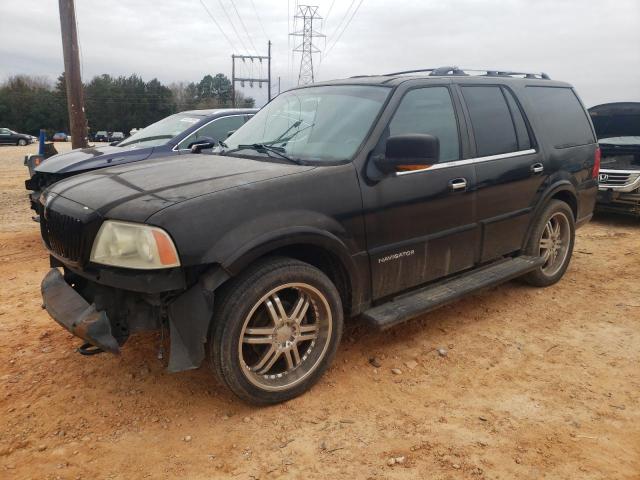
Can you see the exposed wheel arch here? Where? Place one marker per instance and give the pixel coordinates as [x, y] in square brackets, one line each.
[563, 191]
[322, 250]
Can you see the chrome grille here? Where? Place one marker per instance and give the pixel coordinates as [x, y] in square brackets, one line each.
[614, 178]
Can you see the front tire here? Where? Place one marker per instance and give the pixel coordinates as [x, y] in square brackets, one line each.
[276, 330]
[22, 142]
[552, 238]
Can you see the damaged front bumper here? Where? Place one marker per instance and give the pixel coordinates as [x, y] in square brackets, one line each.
[69, 309]
[105, 316]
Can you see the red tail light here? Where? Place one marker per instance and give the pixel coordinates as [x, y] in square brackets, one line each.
[596, 164]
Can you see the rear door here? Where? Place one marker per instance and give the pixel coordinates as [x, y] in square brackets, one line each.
[510, 171]
[420, 223]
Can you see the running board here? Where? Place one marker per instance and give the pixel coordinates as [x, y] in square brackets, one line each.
[410, 305]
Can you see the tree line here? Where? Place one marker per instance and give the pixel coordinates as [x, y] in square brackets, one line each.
[29, 103]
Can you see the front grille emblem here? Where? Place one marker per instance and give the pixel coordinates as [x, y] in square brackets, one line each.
[603, 177]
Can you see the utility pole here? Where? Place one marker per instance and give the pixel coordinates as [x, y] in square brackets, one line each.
[307, 14]
[75, 97]
[269, 71]
[251, 80]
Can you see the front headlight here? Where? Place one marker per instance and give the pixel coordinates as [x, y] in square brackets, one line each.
[133, 245]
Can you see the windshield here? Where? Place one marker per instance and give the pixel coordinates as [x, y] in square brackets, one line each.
[317, 124]
[161, 132]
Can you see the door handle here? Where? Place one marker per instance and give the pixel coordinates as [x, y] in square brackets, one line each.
[537, 168]
[458, 184]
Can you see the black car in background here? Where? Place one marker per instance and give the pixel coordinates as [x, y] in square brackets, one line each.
[170, 136]
[383, 196]
[618, 128]
[9, 137]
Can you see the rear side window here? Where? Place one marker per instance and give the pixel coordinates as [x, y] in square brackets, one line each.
[493, 127]
[429, 110]
[524, 140]
[562, 119]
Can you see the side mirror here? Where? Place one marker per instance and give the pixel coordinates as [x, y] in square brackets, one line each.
[409, 150]
[202, 143]
[229, 133]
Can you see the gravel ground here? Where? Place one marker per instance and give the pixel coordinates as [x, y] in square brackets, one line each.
[529, 383]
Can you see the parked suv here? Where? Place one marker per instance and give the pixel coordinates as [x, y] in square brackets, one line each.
[101, 136]
[382, 196]
[618, 129]
[116, 137]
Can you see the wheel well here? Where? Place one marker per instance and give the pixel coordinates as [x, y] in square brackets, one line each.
[568, 198]
[325, 261]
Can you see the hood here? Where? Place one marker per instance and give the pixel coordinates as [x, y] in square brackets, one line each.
[84, 159]
[135, 192]
[621, 119]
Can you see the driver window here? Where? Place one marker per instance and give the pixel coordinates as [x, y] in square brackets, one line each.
[428, 110]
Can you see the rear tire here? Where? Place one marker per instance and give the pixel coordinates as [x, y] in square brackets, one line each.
[276, 330]
[552, 237]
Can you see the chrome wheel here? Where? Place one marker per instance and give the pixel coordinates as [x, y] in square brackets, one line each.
[554, 243]
[285, 336]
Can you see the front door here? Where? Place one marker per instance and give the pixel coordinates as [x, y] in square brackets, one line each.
[420, 223]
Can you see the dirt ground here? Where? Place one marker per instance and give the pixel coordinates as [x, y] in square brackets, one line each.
[537, 383]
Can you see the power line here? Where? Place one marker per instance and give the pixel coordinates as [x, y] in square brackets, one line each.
[326, 17]
[217, 25]
[344, 29]
[224, 10]
[244, 27]
[260, 20]
[344, 17]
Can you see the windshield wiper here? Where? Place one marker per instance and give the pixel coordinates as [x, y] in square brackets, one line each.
[264, 148]
[296, 124]
[282, 140]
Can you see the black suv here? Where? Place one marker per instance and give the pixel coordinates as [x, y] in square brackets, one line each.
[382, 196]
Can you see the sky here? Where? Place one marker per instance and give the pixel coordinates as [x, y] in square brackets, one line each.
[593, 44]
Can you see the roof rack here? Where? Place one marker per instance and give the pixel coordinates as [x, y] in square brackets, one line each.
[457, 71]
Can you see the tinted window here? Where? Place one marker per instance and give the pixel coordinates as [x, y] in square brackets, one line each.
[560, 116]
[218, 130]
[524, 141]
[429, 110]
[492, 125]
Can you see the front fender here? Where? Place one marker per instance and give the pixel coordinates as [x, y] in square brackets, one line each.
[240, 247]
[275, 240]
